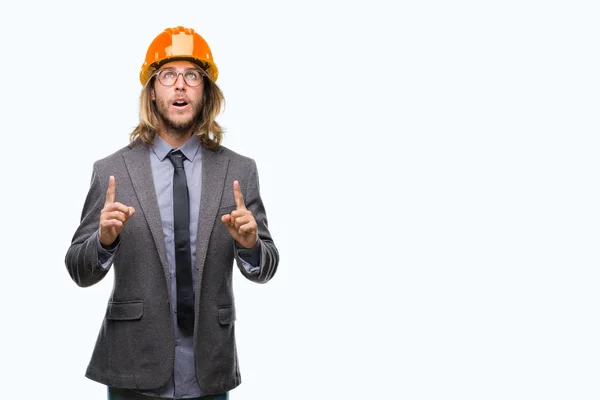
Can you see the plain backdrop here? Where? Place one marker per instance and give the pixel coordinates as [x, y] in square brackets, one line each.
[430, 173]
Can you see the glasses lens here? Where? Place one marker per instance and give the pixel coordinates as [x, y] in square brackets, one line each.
[192, 77]
[167, 77]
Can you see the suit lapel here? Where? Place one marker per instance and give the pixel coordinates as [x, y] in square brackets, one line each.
[140, 172]
[214, 170]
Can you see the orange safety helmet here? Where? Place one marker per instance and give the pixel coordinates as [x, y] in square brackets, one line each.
[178, 43]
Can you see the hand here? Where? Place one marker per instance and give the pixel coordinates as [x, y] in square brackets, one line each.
[113, 216]
[241, 223]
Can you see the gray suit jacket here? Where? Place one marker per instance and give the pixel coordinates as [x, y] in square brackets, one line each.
[135, 347]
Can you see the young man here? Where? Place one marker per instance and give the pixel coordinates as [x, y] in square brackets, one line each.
[170, 213]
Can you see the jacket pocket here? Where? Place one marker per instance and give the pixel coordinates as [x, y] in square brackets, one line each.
[226, 315]
[125, 310]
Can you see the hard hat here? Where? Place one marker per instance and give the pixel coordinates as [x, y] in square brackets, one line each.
[178, 43]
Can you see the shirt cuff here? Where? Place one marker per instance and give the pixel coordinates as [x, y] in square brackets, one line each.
[106, 256]
[250, 257]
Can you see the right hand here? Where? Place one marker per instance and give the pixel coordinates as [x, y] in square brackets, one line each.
[113, 216]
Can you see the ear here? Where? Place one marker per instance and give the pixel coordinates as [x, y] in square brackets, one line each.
[153, 95]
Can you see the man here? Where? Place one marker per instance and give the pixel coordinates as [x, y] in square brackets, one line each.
[151, 214]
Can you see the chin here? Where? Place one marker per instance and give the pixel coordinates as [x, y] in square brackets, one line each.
[181, 125]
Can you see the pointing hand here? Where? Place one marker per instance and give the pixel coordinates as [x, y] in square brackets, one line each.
[241, 223]
[113, 216]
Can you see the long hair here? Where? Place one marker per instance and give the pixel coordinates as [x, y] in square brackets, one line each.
[209, 130]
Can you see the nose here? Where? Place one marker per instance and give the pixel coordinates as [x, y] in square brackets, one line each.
[180, 82]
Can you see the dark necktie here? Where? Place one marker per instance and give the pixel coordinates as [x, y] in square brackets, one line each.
[183, 258]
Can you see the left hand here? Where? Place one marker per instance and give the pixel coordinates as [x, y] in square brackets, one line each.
[241, 223]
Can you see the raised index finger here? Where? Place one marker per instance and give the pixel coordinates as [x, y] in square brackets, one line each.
[110, 192]
[237, 194]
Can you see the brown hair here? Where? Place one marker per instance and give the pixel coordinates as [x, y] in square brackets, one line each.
[209, 130]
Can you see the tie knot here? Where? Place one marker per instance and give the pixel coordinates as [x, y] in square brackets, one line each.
[176, 157]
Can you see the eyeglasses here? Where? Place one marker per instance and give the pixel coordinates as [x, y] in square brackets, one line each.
[168, 76]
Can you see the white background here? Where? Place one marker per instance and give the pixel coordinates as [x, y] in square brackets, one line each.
[430, 172]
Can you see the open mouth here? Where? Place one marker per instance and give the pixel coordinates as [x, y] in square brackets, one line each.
[179, 103]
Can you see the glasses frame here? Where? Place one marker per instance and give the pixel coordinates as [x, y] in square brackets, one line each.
[178, 72]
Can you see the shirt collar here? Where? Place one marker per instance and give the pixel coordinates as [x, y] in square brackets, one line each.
[189, 148]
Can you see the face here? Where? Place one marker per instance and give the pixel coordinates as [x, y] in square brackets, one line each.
[179, 104]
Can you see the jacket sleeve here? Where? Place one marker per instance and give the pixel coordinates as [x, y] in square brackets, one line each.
[82, 261]
[269, 256]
